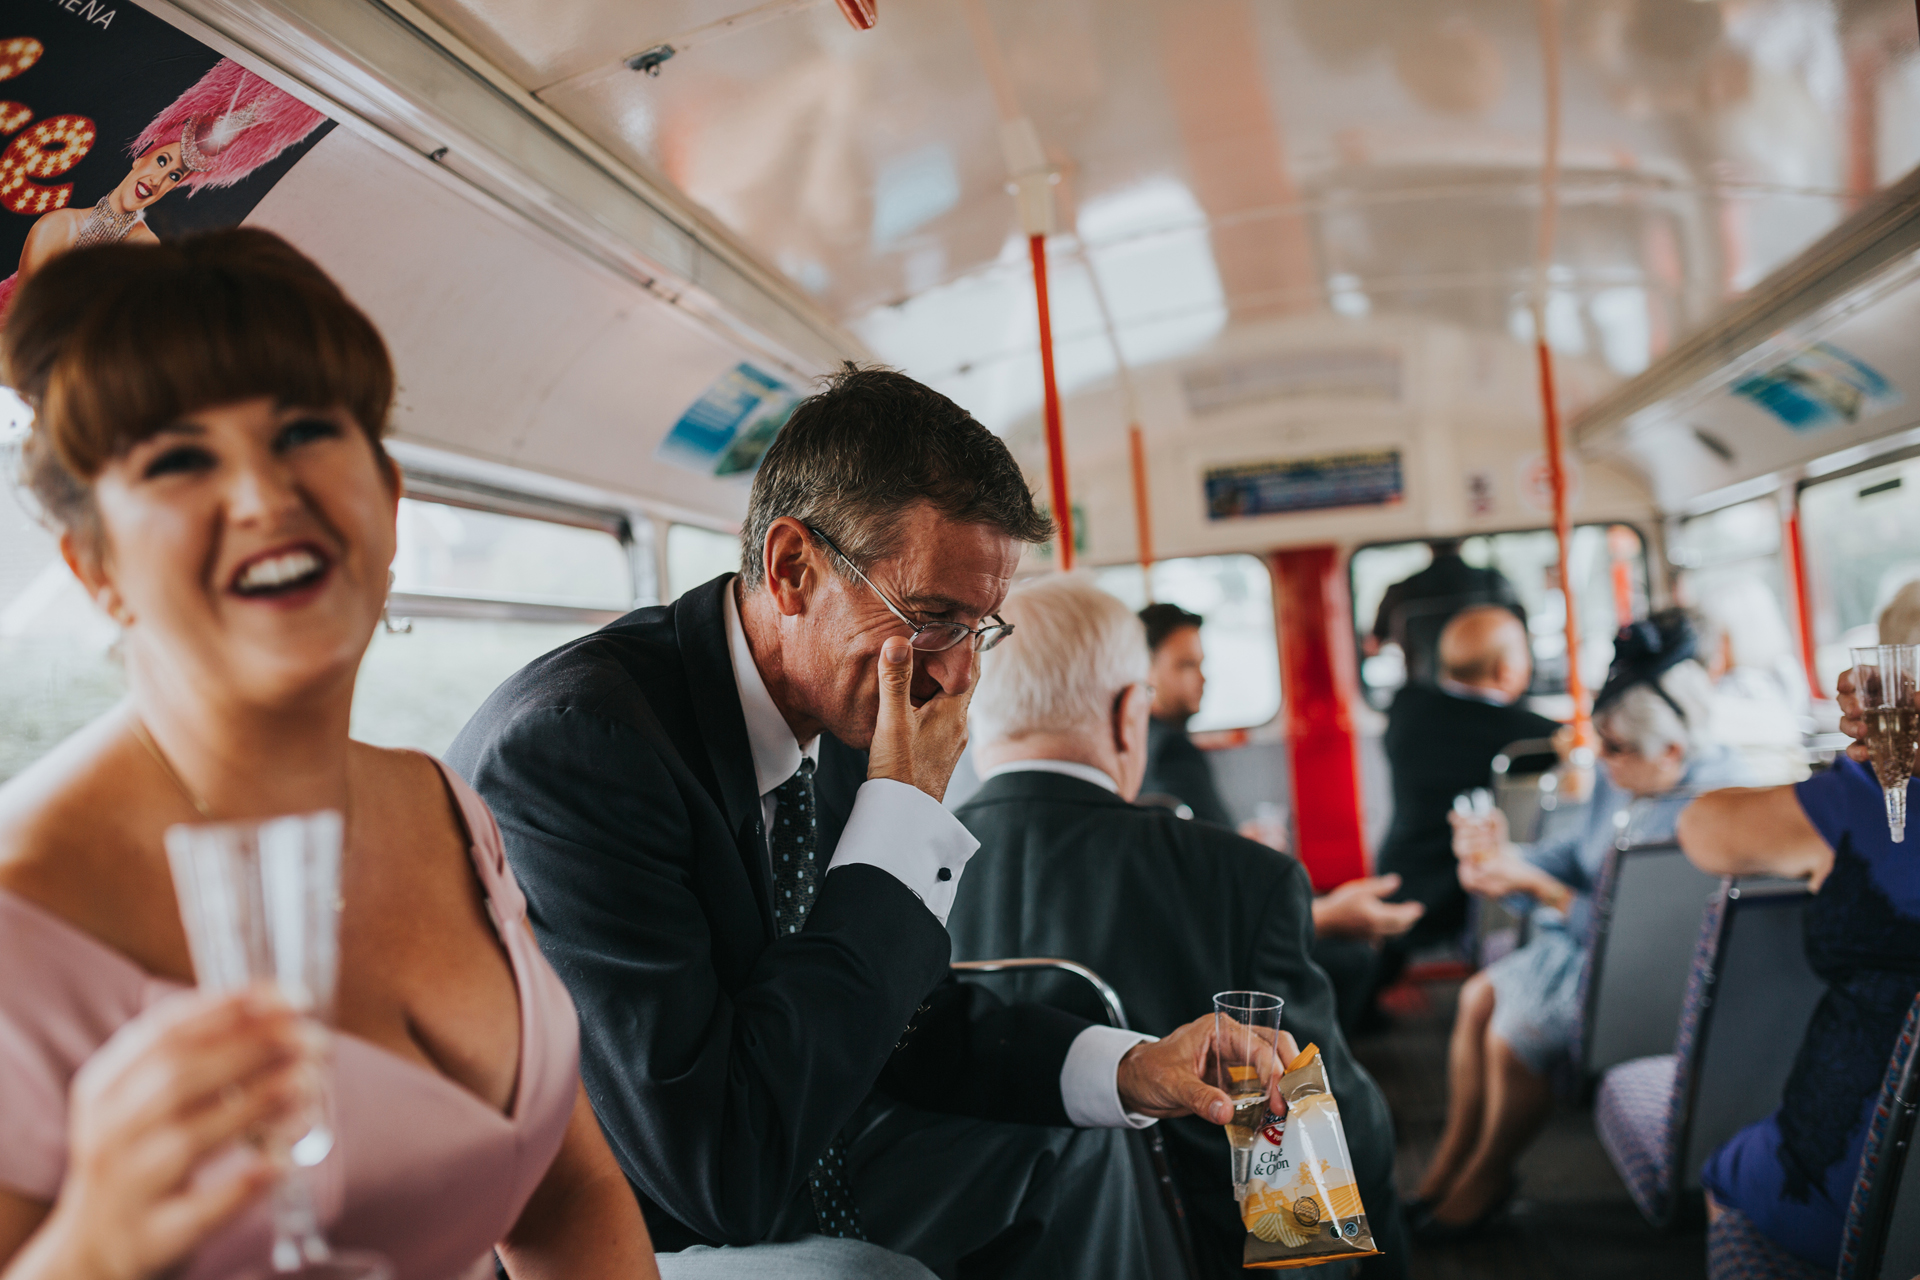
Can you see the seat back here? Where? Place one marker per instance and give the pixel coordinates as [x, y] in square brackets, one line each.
[1078, 988]
[1747, 1015]
[1882, 1240]
[1525, 785]
[1647, 913]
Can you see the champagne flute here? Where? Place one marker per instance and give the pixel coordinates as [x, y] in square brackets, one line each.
[261, 904]
[1884, 679]
[1246, 1028]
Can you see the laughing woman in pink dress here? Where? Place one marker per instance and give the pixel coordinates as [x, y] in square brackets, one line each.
[207, 441]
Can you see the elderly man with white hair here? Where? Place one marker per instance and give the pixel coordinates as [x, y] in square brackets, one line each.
[1166, 910]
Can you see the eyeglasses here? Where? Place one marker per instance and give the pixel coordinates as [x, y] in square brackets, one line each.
[1608, 747]
[927, 637]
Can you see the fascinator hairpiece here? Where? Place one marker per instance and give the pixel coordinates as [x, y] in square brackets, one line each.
[1645, 650]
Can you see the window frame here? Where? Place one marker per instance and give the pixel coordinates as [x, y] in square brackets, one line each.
[428, 486]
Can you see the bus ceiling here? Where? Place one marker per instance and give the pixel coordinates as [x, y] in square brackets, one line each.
[1295, 242]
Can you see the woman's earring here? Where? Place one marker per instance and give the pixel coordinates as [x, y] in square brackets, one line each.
[402, 627]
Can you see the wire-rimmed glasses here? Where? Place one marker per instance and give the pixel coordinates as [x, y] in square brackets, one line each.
[927, 637]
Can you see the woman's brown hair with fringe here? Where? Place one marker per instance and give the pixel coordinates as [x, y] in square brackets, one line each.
[109, 344]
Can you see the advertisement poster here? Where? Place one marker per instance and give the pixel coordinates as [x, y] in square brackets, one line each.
[1821, 386]
[728, 429]
[1368, 479]
[117, 127]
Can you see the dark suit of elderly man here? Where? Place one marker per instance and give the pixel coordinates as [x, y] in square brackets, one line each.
[726, 816]
[1167, 911]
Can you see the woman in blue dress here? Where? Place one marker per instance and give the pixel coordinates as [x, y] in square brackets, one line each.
[1517, 1017]
[1792, 1173]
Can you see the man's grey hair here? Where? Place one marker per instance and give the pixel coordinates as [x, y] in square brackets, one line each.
[1074, 648]
[859, 453]
[1900, 620]
[1641, 718]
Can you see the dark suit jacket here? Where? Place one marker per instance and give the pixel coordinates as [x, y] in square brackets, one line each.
[1177, 767]
[720, 1058]
[1168, 912]
[1437, 746]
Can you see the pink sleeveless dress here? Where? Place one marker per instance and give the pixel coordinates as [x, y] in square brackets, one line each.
[422, 1170]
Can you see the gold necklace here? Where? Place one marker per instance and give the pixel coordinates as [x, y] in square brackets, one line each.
[166, 767]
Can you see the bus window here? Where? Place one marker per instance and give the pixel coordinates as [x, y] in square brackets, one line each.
[481, 594]
[1610, 583]
[1862, 538]
[57, 669]
[696, 555]
[1234, 593]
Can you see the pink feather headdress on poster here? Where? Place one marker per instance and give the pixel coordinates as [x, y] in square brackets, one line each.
[227, 125]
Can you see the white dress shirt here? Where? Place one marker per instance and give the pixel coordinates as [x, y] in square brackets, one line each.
[906, 833]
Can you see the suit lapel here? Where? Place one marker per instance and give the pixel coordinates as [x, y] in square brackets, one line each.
[700, 623]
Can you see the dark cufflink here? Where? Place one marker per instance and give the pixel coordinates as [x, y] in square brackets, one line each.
[945, 873]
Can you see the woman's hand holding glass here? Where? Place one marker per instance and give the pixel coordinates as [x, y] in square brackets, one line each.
[1491, 867]
[160, 1122]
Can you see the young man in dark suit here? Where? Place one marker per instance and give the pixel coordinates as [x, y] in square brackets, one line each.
[1168, 911]
[748, 906]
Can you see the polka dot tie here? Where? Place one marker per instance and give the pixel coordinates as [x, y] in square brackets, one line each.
[796, 882]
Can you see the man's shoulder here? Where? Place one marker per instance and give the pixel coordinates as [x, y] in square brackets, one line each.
[1114, 828]
[629, 673]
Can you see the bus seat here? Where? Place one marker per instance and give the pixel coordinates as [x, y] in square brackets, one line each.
[1882, 1240]
[1089, 995]
[1737, 1251]
[1646, 920]
[1526, 785]
[1749, 995]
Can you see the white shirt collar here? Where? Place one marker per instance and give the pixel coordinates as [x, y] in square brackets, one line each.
[776, 756]
[1492, 697]
[1072, 768]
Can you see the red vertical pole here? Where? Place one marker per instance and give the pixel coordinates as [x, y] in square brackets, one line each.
[1563, 532]
[1314, 623]
[1056, 447]
[1142, 514]
[1796, 575]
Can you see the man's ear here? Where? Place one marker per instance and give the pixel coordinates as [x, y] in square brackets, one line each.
[1129, 727]
[84, 558]
[791, 564]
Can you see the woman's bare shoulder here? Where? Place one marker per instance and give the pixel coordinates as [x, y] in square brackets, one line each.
[55, 813]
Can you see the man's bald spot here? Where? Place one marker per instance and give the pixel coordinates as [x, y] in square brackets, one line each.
[1479, 640]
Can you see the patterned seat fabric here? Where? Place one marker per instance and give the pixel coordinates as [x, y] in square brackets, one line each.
[1878, 1140]
[1641, 1107]
[1631, 1112]
[1737, 1251]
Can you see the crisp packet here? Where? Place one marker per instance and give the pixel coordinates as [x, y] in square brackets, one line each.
[1300, 1203]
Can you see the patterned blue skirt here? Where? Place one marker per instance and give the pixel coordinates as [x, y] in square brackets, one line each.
[1537, 997]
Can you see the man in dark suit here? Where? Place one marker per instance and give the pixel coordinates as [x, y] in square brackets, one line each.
[748, 905]
[1415, 610]
[1176, 767]
[1441, 741]
[1167, 911]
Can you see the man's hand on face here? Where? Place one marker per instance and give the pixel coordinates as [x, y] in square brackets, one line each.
[1165, 1078]
[919, 747]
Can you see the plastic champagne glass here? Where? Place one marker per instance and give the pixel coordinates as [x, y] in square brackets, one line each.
[1884, 679]
[1246, 1029]
[261, 904]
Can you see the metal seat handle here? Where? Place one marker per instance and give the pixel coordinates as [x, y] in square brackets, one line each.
[1116, 1012]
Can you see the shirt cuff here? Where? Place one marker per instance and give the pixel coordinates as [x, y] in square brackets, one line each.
[1090, 1079]
[907, 834]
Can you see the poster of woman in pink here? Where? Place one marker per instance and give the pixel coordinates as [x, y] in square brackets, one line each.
[226, 137]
